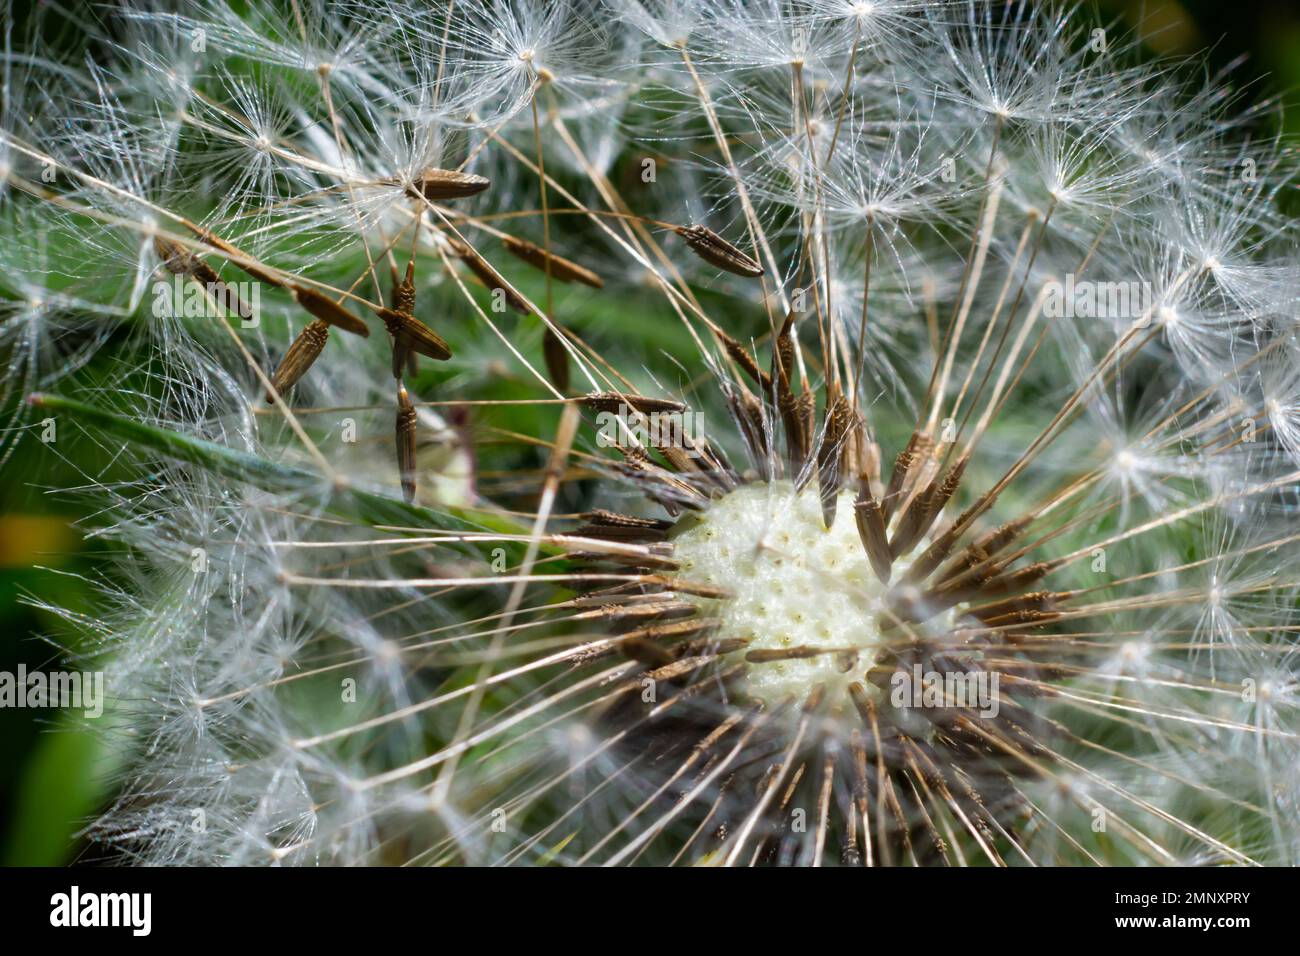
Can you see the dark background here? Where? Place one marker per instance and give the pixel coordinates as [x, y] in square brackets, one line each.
[52, 781]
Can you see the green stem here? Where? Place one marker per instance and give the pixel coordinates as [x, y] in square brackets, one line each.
[343, 500]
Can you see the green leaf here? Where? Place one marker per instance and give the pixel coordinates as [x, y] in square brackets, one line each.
[344, 500]
[63, 785]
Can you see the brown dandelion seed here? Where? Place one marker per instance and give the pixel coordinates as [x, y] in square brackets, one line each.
[799, 415]
[406, 444]
[783, 356]
[1035, 601]
[978, 551]
[909, 527]
[684, 586]
[619, 527]
[627, 616]
[791, 407]
[404, 360]
[871, 529]
[645, 652]
[557, 360]
[748, 413]
[179, 261]
[715, 250]
[925, 508]
[240, 258]
[404, 292]
[613, 402]
[560, 268]
[404, 304]
[830, 455]
[410, 334]
[798, 653]
[175, 259]
[740, 355]
[327, 310]
[489, 276]
[675, 629]
[302, 353]
[437, 185]
[898, 477]
[659, 484]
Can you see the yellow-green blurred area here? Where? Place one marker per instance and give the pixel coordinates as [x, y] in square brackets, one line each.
[53, 775]
[54, 778]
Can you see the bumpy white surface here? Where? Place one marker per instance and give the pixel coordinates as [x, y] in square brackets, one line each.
[795, 583]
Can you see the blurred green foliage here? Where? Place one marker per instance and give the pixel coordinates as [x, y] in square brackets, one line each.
[54, 777]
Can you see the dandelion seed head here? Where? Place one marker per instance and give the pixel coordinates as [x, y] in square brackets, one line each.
[555, 649]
